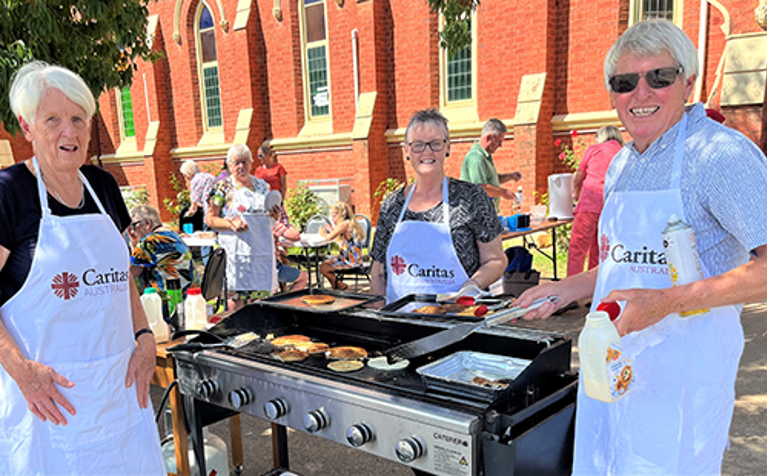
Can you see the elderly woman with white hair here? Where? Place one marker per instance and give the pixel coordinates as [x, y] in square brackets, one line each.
[74, 338]
[679, 164]
[200, 186]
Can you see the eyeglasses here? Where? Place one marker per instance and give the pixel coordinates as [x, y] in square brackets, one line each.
[657, 79]
[435, 145]
[135, 224]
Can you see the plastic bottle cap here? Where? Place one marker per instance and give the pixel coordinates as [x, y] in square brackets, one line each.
[613, 309]
[150, 290]
[194, 291]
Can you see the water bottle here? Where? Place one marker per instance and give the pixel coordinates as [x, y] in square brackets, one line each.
[152, 303]
[194, 310]
[175, 295]
[606, 374]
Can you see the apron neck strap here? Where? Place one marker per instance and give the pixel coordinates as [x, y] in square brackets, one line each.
[681, 135]
[445, 208]
[43, 195]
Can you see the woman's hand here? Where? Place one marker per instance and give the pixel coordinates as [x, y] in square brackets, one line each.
[141, 368]
[238, 224]
[37, 383]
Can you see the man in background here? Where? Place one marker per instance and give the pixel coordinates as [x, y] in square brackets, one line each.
[478, 166]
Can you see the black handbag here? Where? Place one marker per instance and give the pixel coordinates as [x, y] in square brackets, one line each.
[516, 282]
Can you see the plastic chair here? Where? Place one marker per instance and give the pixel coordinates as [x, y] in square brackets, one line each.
[214, 279]
[362, 268]
[315, 223]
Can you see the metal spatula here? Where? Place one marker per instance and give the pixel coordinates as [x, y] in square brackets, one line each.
[456, 334]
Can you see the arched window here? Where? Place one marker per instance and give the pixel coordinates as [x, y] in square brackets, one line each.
[207, 68]
[458, 80]
[315, 59]
[127, 129]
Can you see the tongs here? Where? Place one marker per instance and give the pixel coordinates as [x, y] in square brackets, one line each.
[457, 333]
[468, 292]
[234, 342]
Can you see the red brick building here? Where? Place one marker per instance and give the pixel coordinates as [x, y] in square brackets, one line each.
[332, 83]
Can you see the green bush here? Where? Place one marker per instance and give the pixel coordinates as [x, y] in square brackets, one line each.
[182, 200]
[302, 204]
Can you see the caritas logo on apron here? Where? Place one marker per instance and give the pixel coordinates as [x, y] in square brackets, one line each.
[66, 286]
[432, 274]
[644, 261]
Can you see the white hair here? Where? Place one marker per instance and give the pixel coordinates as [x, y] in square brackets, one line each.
[146, 212]
[31, 82]
[190, 168]
[653, 38]
[238, 151]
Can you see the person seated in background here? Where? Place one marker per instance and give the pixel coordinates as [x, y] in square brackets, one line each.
[157, 252]
[588, 188]
[271, 171]
[349, 236]
[293, 278]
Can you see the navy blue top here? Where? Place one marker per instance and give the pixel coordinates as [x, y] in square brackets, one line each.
[20, 215]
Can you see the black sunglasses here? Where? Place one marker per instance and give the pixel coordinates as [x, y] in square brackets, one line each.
[657, 79]
[133, 225]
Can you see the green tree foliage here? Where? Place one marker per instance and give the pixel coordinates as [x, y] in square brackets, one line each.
[98, 39]
[301, 204]
[455, 34]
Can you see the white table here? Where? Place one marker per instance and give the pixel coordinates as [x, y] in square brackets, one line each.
[310, 244]
[195, 240]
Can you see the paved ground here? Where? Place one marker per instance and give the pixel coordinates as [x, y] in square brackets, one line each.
[312, 456]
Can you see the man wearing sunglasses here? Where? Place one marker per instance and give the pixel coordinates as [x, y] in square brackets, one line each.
[478, 166]
[677, 418]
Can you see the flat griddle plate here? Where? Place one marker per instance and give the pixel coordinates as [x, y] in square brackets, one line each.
[405, 306]
[343, 300]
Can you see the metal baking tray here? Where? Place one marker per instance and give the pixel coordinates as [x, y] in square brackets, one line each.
[405, 306]
[453, 374]
[343, 300]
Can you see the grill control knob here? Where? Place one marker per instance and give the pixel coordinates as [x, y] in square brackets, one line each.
[274, 409]
[359, 434]
[315, 420]
[409, 449]
[206, 388]
[239, 398]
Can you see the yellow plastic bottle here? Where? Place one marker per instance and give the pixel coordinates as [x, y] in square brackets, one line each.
[606, 374]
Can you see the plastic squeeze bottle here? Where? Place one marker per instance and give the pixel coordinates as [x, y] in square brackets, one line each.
[194, 310]
[606, 374]
[175, 296]
[152, 303]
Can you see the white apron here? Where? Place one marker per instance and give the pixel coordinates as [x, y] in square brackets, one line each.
[421, 258]
[73, 314]
[250, 254]
[677, 419]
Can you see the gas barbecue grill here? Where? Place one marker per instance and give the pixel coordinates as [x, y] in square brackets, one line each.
[526, 428]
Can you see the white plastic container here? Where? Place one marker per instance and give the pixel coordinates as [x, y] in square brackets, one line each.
[216, 455]
[606, 374]
[561, 196]
[152, 303]
[194, 310]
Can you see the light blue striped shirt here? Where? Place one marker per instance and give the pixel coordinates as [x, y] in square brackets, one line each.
[723, 186]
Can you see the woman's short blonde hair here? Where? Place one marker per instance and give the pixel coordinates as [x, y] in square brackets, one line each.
[190, 168]
[33, 80]
[146, 212]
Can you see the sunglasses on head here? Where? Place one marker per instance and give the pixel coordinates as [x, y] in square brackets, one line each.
[657, 79]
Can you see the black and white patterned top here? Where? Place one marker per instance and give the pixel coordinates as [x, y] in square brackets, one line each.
[472, 219]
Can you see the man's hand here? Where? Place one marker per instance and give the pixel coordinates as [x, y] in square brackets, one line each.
[643, 308]
[141, 368]
[543, 291]
[37, 383]
[509, 194]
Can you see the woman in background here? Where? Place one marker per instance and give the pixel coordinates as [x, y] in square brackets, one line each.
[270, 170]
[349, 235]
[588, 188]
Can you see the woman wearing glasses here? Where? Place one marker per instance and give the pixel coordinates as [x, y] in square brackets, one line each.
[158, 252]
[422, 226]
[76, 353]
[676, 420]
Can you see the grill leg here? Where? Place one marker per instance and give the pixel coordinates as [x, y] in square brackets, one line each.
[280, 446]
